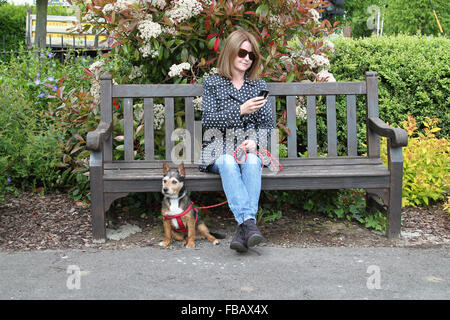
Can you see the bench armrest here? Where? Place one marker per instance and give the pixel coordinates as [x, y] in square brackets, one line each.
[95, 139]
[399, 137]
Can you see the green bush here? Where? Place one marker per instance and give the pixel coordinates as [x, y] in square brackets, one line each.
[57, 10]
[426, 172]
[29, 148]
[12, 22]
[400, 17]
[413, 74]
[48, 110]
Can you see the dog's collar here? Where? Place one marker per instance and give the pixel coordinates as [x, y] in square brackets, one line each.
[182, 196]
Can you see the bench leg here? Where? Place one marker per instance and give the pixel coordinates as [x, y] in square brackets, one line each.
[395, 195]
[97, 205]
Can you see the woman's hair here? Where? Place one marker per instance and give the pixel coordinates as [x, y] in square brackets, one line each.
[230, 50]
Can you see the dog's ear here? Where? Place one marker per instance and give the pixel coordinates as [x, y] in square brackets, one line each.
[165, 167]
[181, 169]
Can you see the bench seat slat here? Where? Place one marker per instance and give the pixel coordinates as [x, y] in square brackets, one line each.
[293, 171]
[285, 162]
[287, 183]
[150, 180]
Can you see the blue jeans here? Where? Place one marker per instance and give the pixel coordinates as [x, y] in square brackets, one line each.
[241, 183]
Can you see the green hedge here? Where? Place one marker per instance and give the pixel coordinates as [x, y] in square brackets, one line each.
[413, 73]
[12, 22]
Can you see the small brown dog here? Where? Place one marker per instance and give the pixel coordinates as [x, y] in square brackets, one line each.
[179, 216]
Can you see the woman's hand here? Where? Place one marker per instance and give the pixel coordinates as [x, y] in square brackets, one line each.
[250, 146]
[252, 105]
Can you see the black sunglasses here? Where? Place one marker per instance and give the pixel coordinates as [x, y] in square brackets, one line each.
[242, 53]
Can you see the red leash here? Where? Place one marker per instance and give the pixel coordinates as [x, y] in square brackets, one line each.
[260, 154]
[181, 226]
[214, 205]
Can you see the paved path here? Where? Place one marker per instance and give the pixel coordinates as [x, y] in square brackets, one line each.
[220, 273]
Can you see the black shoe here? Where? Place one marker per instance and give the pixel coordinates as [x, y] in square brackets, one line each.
[238, 243]
[252, 235]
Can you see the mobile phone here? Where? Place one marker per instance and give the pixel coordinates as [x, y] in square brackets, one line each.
[263, 93]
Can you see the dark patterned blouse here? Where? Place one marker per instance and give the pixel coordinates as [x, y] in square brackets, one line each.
[225, 129]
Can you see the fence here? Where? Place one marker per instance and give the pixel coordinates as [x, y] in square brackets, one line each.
[58, 45]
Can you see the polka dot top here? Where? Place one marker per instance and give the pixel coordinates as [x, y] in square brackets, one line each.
[224, 128]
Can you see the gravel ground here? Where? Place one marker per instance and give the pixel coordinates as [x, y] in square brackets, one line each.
[54, 221]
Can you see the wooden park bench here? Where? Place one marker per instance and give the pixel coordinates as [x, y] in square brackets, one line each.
[112, 179]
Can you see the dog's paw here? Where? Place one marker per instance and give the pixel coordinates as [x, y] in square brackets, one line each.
[190, 245]
[163, 244]
[216, 242]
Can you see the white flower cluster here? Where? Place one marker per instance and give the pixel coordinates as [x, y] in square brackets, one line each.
[149, 29]
[96, 64]
[213, 70]
[95, 81]
[118, 6]
[327, 76]
[158, 3]
[317, 61]
[123, 4]
[159, 113]
[108, 8]
[147, 51]
[136, 72]
[89, 16]
[275, 21]
[286, 60]
[329, 45]
[177, 69]
[184, 10]
[300, 110]
[170, 31]
[198, 103]
[315, 15]
[95, 89]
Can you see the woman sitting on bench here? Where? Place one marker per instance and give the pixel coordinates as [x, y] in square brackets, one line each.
[232, 104]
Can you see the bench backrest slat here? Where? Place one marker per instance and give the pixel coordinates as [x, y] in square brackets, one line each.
[292, 125]
[331, 126]
[106, 112]
[311, 125]
[128, 129]
[156, 90]
[276, 89]
[149, 134]
[190, 123]
[352, 142]
[373, 140]
[169, 125]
